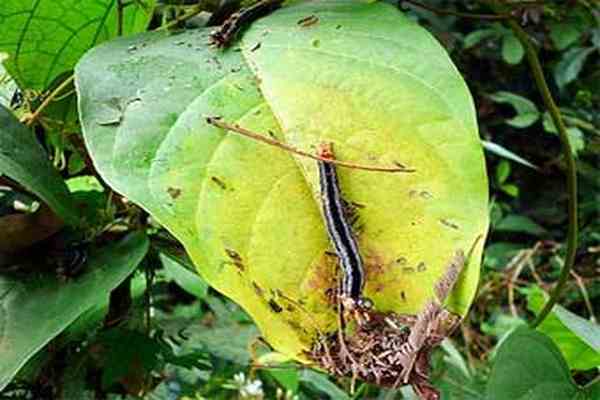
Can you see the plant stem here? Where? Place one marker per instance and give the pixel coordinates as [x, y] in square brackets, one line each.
[542, 86]
[48, 99]
[120, 7]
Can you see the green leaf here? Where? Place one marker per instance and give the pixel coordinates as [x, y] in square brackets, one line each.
[577, 338]
[36, 308]
[476, 37]
[188, 280]
[591, 393]
[510, 189]
[24, 160]
[249, 214]
[527, 112]
[576, 137]
[548, 123]
[564, 34]
[512, 50]
[567, 70]
[501, 151]
[528, 366]
[46, 38]
[287, 377]
[228, 339]
[502, 172]
[498, 254]
[321, 383]
[519, 223]
[452, 377]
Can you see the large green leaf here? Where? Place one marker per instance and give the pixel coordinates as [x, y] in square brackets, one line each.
[23, 159]
[45, 38]
[35, 308]
[344, 79]
[529, 366]
[578, 339]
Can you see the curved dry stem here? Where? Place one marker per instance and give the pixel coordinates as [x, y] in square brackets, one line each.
[52, 96]
[216, 121]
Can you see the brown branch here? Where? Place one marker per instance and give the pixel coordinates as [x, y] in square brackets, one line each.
[216, 121]
[52, 96]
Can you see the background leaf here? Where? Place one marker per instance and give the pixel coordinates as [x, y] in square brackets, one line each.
[577, 338]
[564, 34]
[512, 50]
[529, 366]
[36, 309]
[570, 65]
[74, 26]
[505, 153]
[24, 160]
[188, 280]
[527, 112]
[519, 223]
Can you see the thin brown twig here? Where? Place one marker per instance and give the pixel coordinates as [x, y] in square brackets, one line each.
[519, 262]
[31, 119]
[273, 142]
[585, 295]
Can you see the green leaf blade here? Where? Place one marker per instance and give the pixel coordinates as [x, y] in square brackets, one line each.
[74, 26]
[528, 365]
[576, 337]
[34, 311]
[24, 160]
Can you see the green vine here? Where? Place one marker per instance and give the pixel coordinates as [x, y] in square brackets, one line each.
[542, 86]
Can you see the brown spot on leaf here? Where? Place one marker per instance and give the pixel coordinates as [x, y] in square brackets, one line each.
[308, 21]
[449, 224]
[219, 182]
[324, 274]
[275, 306]
[236, 259]
[257, 289]
[174, 192]
[374, 264]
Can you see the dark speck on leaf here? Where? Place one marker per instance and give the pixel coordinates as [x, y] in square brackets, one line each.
[308, 21]
[219, 182]
[174, 192]
[256, 47]
[274, 306]
[449, 224]
[338, 27]
[259, 291]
